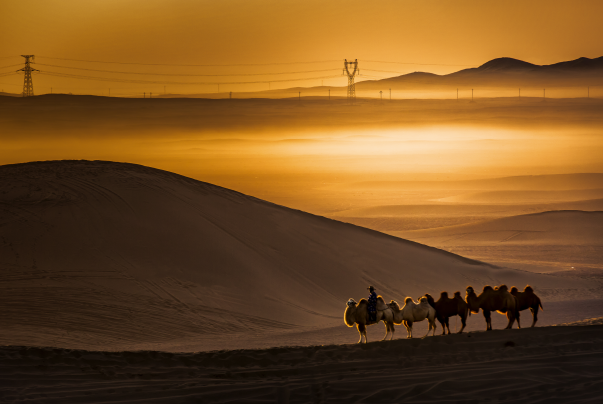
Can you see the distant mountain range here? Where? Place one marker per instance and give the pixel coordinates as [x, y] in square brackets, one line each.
[502, 72]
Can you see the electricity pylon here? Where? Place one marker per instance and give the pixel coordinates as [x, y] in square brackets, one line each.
[27, 82]
[351, 85]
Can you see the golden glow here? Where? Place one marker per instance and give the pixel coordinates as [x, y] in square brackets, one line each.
[461, 32]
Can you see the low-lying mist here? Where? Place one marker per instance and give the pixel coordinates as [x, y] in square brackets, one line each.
[312, 154]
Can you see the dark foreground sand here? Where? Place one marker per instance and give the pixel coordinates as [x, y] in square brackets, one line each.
[539, 365]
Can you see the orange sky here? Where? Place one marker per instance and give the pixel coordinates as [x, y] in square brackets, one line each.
[451, 32]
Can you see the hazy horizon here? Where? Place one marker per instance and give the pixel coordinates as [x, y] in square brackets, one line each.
[236, 38]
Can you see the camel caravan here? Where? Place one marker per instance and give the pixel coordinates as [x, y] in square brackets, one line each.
[374, 309]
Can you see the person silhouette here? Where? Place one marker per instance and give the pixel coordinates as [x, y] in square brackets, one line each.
[372, 305]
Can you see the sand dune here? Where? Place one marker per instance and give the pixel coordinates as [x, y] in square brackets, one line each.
[550, 364]
[569, 241]
[402, 218]
[525, 196]
[120, 256]
[559, 228]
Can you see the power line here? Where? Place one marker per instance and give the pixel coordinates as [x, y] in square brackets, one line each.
[412, 63]
[383, 71]
[179, 74]
[117, 80]
[216, 65]
[4, 67]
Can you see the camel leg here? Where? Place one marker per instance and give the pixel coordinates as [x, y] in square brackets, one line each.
[428, 329]
[361, 328]
[464, 323]
[408, 325]
[488, 320]
[443, 324]
[431, 326]
[393, 328]
[511, 317]
[386, 330]
[447, 325]
[518, 325]
[534, 311]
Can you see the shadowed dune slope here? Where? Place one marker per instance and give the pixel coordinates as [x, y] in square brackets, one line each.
[535, 365]
[111, 256]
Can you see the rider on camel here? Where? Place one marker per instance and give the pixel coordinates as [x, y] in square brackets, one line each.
[372, 305]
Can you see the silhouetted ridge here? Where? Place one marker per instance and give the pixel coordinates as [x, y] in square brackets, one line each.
[578, 64]
[507, 64]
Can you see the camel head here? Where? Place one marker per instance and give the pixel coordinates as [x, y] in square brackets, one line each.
[471, 299]
[430, 300]
[348, 315]
[394, 305]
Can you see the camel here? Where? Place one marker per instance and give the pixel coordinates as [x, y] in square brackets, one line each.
[527, 300]
[413, 312]
[493, 299]
[357, 313]
[446, 307]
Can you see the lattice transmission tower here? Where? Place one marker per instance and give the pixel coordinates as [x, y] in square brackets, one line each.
[351, 75]
[27, 82]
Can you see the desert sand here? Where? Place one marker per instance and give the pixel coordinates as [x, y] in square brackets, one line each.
[113, 260]
[555, 241]
[121, 256]
[538, 365]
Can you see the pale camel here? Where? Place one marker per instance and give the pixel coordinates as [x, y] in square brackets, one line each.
[357, 313]
[446, 308]
[527, 300]
[414, 312]
[493, 299]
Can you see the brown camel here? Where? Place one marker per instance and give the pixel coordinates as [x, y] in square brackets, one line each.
[446, 308]
[357, 313]
[493, 299]
[527, 300]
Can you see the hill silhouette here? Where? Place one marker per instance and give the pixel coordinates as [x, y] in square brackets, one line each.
[503, 72]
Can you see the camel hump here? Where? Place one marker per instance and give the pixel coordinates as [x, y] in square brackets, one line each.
[503, 288]
[381, 304]
[514, 290]
[444, 295]
[408, 300]
[529, 289]
[457, 294]
[486, 288]
[362, 302]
